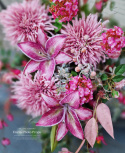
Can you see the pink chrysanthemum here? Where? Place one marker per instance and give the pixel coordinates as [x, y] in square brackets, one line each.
[113, 42]
[65, 10]
[84, 39]
[22, 21]
[84, 87]
[30, 93]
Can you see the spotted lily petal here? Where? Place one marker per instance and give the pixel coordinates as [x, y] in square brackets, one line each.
[42, 37]
[33, 50]
[52, 117]
[31, 66]
[63, 58]
[47, 67]
[72, 99]
[52, 102]
[54, 44]
[73, 124]
[83, 113]
[61, 131]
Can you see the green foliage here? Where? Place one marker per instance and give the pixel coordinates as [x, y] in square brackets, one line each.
[120, 69]
[112, 4]
[118, 78]
[115, 93]
[74, 73]
[58, 25]
[104, 77]
[53, 138]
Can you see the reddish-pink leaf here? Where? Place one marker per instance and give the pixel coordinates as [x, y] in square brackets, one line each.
[91, 130]
[104, 117]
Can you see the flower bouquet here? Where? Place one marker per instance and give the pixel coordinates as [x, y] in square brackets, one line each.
[71, 73]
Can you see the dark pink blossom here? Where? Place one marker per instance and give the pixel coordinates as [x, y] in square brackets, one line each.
[5, 141]
[10, 117]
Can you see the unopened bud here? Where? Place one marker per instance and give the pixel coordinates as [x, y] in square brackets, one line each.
[77, 69]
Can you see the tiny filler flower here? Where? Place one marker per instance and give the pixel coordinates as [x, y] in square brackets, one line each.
[21, 21]
[65, 113]
[65, 10]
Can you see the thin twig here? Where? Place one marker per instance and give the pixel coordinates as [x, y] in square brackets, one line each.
[77, 151]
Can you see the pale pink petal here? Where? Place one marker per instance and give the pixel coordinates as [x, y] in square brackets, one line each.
[32, 50]
[52, 117]
[51, 102]
[83, 113]
[47, 68]
[73, 124]
[54, 44]
[104, 117]
[91, 130]
[63, 58]
[61, 131]
[72, 99]
[42, 37]
[31, 66]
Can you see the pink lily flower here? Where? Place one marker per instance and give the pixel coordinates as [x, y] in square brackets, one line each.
[45, 54]
[66, 113]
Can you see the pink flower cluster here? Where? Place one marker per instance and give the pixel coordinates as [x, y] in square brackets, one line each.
[65, 10]
[113, 42]
[83, 86]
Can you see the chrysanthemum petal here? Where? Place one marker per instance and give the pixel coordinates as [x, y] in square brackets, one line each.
[52, 117]
[32, 50]
[61, 131]
[54, 44]
[84, 113]
[73, 124]
[63, 58]
[72, 99]
[47, 68]
[31, 66]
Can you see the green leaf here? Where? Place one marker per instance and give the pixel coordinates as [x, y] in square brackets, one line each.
[58, 25]
[118, 78]
[120, 69]
[104, 77]
[112, 4]
[115, 93]
[53, 138]
[73, 73]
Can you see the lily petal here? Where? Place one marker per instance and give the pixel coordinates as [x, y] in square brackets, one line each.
[52, 117]
[47, 68]
[63, 58]
[73, 124]
[72, 99]
[54, 44]
[31, 66]
[61, 131]
[52, 102]
[33, 50]
[42, 37]
[83, 113]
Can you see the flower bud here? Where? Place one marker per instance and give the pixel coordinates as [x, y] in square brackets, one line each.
[77, 69]
[5, 141]
[10, 117]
